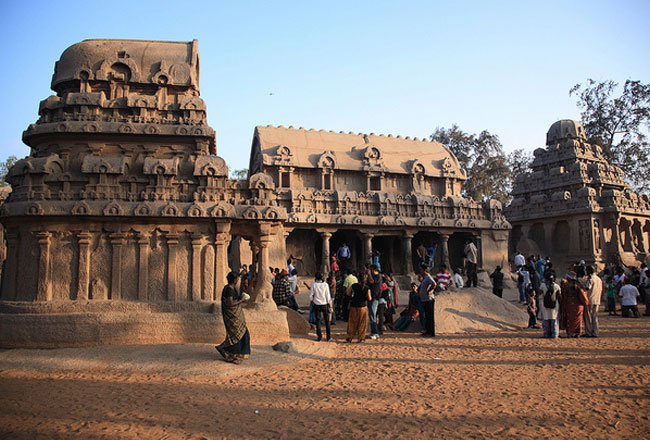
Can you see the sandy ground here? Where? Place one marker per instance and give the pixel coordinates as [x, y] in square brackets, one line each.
[511, 384]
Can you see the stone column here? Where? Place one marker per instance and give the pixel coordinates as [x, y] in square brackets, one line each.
[574, 232]
[222, 238]
[548, 237]
[143, 265]
[367, 248]
[325, 253]
[444, 248]
[44, 289]
[117, 242]
[10, 265]
[83, 270]
[197, 241]
[172, 243]
[479, 248]
[263, 289]
[408, 252]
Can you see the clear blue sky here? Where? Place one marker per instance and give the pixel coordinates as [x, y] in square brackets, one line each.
[398, 67]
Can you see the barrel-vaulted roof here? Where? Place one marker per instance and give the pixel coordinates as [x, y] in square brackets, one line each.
[132, 61]
[300, 148]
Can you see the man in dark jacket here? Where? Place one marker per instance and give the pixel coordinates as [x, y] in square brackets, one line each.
[497, 282]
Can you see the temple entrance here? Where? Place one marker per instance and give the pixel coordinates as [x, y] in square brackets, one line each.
[389, 247]
[425, 239]
[351, 238]
[305, 246]
[457, 247]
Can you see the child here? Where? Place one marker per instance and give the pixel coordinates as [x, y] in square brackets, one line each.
[531, 307]
[611, 296]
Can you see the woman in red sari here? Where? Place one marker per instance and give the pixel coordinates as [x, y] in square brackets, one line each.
[573, 296]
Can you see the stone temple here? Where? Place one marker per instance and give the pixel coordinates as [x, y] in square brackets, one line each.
[122, 220]
[576, 206]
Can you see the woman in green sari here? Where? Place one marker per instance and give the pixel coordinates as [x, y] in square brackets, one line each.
[237, 345]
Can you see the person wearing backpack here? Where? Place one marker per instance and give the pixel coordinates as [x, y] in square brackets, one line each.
[550, 307]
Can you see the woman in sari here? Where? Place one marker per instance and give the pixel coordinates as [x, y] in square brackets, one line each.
[237, 345]
[573, 297]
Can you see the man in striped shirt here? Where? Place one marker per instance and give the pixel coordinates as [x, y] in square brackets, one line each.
[443, 278]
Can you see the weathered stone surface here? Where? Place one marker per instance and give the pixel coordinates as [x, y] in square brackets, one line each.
[576, 206]
[297, 324]
[285, 347]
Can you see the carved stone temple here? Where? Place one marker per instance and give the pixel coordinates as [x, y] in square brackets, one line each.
[575, 205]
[121, 221]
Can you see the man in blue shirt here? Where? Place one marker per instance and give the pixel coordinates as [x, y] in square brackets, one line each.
[343, 254]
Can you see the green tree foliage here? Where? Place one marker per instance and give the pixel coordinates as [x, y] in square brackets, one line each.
[619, 123]
[239, 174]
[4, 169]
[490, 172]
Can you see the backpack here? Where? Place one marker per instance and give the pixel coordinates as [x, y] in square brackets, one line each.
[550, 298]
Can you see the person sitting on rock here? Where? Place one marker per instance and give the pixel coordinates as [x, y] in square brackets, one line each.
[443, 278]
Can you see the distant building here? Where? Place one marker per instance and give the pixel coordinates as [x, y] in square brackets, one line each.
[576, 206]
[374, 193]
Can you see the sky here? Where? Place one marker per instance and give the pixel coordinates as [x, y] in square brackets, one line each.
[385, 67]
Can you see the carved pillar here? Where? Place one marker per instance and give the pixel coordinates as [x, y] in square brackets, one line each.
[44, 289]
[143, 266]
[574, 232]
[263, 288]
[444, 247]
[408, 253]
[10, 265]
[367, 248]
[83, 271]
[117, 242]
[479, 248]
[548, 237]
[325, 253]
[172, 243]
[222, 238]
[197, 240]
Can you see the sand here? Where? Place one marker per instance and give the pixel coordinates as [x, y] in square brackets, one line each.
[507, 384]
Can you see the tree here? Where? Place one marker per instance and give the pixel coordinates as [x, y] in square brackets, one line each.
[489, 173]
[4, 169]
[619, 124]
[239, 174]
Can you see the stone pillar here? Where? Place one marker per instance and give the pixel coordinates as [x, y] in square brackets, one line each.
[263, 288]
[325, 253]
[367, 248]
[222, 237]
[143, 265]
[408, 253]
[479, 248]
[548, 237]
[444, 248]
[172, 243]
[44, 289]
[574, 232]
[83, 270]
[197, 241]
[10, 265]
[117, 242]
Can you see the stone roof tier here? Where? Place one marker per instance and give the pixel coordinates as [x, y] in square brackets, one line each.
[300, 148]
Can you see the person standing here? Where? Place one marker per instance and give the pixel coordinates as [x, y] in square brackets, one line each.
[523, 280]
[471, 254]
[550, 307]
[374, 280]
[348, 281]
[358, 317]
[574, 299]
[520, 260]
[427, 299]
[343, 254]
[320, 297]
[594, 292]
[497, 282]
[237, 345]
[629, 294]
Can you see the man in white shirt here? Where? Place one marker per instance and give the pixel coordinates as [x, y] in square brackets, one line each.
[629, 294]
[458, 278]
[320, 297]
[594, 291]
[520, 260]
